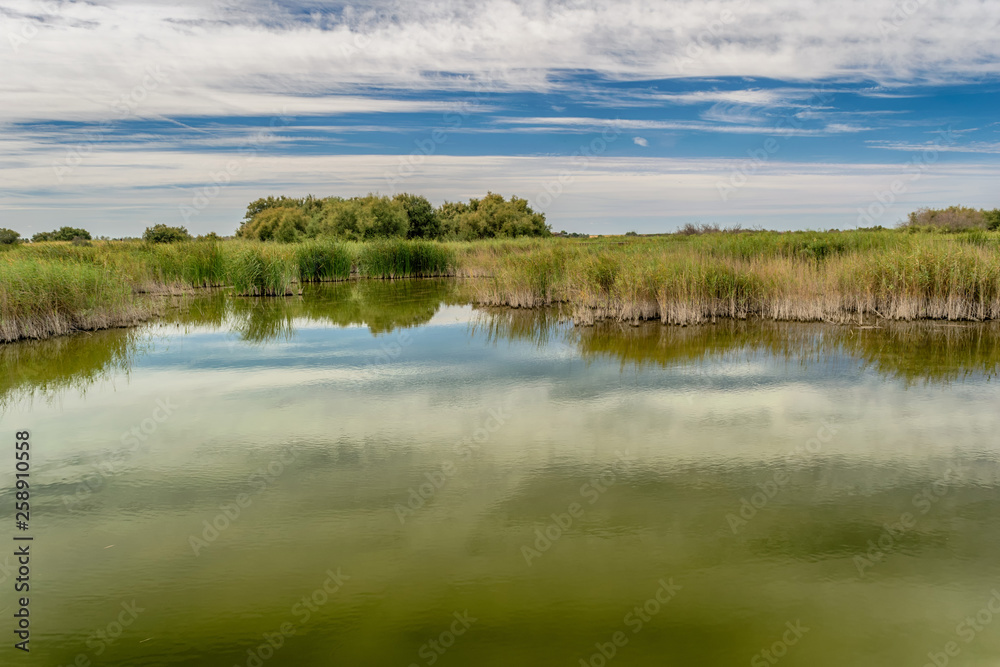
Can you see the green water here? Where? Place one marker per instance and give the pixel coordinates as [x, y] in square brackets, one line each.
[419, 482]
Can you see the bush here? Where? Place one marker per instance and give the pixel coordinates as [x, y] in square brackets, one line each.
[492, 217]
[9, 237]
[283, 223]
[361, 219]
[163, 234]
[404, 216]
[62, 234]
[992, 219]
[951, 219]
[424, 222]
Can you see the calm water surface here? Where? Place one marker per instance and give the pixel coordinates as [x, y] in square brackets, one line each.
[391, 477]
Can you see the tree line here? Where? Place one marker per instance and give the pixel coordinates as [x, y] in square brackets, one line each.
[409, 216]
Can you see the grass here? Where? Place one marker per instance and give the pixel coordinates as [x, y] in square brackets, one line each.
[54, 288]
[259, 270]
[323, 261]
[41, 298]
[394, 258]
[802, 276]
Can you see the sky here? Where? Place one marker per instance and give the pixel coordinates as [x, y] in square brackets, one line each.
[633, 115]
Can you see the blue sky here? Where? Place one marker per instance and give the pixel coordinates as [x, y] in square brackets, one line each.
[608, 116]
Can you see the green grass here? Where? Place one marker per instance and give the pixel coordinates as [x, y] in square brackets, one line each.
[258, 270]
[404, 259]
[323, 261]
[53, 288]
[40, 298]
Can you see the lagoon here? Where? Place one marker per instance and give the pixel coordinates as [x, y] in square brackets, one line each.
[378, 473]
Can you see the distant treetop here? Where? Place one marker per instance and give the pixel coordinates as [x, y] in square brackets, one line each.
[402, 216]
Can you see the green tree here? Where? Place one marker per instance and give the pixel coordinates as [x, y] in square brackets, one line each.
[424, 222]
[492, 217]
[164, 234]
[286, 224]
[9, 237]
[992, 219]
[62, 234]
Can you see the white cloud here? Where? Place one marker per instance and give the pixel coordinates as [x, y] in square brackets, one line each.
[67, 60]
[639, 141]
[777, 126]
[118, 192]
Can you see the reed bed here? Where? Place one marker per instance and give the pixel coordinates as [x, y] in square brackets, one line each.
[835, 277]
[258, 270]
[393, 258]
[42, 298]
[53, 288]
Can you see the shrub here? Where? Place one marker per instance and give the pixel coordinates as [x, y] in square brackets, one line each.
[952, 219]
[9, 237]
[62, 234]
[283, 223]
[164, 234]
[992, 219]
[423, 220]
[492, 217]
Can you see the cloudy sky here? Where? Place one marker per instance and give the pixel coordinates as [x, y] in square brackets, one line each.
[608, 116]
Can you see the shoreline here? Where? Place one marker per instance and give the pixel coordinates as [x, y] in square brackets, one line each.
[855, 277]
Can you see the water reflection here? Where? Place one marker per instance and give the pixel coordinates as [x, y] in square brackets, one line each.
[908, 351]
[914, 352]
[510, 417]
